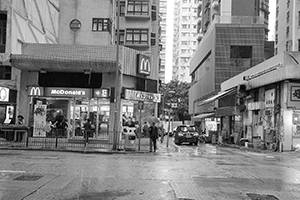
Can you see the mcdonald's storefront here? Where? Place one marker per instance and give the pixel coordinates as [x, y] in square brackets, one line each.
[80, 81]
[77, 105]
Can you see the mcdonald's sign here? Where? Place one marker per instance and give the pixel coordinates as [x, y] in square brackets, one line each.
[143, 64]
[35, 91]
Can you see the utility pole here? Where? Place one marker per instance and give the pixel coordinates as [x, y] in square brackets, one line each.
[117, 84]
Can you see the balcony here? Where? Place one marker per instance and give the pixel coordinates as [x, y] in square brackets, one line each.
[264, 7]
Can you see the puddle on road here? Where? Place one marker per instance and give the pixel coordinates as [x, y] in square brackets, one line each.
[104, 195]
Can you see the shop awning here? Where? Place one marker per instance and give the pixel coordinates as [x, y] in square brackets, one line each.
[65, 58]
[204, 115]
[217, 96]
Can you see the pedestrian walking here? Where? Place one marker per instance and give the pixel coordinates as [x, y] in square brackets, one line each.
[87, 128]
[153, 135]
[145, 129]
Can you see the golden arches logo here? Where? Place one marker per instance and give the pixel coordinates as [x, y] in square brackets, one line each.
[35, 91]
[145, 66]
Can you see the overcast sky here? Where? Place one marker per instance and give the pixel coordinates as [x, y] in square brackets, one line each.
[169, 45]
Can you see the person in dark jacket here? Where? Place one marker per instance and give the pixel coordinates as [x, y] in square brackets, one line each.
[153, 135]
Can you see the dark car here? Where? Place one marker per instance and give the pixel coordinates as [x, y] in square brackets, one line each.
[186, 133]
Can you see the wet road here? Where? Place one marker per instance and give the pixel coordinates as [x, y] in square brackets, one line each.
[180, 172]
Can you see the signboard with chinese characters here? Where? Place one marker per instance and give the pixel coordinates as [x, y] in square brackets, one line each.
[294, 95]
[39, 117]
[269, 98]
[142, 96]
[101, 93]
[67, 92]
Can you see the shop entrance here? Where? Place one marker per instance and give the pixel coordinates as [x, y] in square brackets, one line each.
[75, 112]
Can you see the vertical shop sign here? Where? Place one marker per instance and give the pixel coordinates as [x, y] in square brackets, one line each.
[269, 98]
[39, 124]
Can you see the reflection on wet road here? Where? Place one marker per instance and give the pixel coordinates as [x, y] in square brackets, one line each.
[178, 172]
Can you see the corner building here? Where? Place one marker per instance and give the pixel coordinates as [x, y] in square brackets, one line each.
[78, 74]
[232, 38]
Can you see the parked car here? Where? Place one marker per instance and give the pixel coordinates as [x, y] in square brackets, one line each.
[186, 133]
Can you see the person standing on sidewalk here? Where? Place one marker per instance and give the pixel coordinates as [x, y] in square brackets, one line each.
[153, 135]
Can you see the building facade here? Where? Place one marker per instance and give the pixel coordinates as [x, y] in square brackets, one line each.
[162, 39]
[224, 51]
[270, 102]
[184, 41]
[84, 72]
[287, 26]
[22, 22]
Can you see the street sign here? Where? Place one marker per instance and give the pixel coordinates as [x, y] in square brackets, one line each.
[141, 105]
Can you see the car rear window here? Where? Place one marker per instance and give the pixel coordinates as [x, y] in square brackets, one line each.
[187, 128]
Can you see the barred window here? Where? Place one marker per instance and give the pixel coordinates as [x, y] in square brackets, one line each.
[122, 8]
[137, 36]
[3, 22]
[121, 37]
[5, 72]
[137, 7]
[101, 24]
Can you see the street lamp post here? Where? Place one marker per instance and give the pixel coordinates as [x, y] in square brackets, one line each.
[117, 83]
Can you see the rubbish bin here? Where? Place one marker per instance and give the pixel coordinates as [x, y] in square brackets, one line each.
[130, 140]
[256, 142]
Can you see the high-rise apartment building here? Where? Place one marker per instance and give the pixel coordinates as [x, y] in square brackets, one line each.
[162, 39]
[184, 41]
[232, 36]
[287, 26]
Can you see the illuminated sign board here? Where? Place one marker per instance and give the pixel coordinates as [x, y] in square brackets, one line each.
[142, 96]
[101, 93]
[35, 91]
[4, 94]
[143, 65]
[67, 92]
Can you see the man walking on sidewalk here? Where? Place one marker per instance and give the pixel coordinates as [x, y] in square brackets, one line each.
[153, 135]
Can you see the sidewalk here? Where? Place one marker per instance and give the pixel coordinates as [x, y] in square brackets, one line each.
[263, 151]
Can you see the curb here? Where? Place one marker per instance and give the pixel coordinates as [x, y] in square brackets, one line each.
[83, 151]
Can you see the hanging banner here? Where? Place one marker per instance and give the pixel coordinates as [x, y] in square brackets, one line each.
[39, 117]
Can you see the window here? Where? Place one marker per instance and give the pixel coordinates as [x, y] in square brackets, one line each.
[137, 36]
[3, 22]
[276, 25]
[276, 39]
[122, 8]
[288, 17]
[153, 13]
[5, 72]
[101, 24]
[240, 51]
[277, 11]
[288, 3]
[184, 42]
[298, 44]
[287, 31]
[299, 18]
[137, 7]
[121, 37]
[287, 45]
[153, 39]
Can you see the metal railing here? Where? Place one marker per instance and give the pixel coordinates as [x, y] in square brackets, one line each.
[59, 139]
